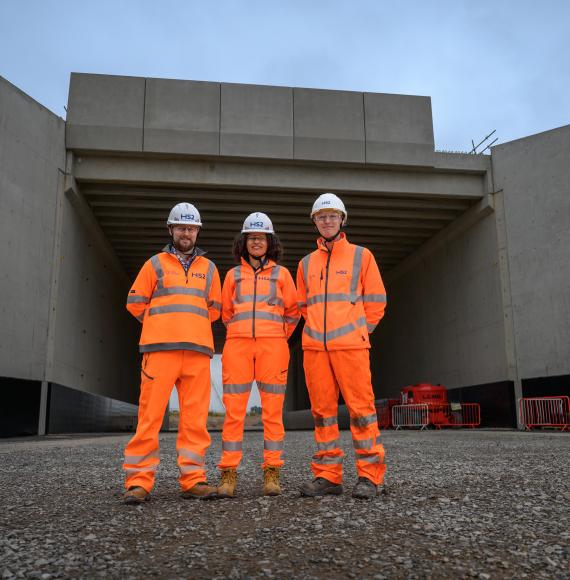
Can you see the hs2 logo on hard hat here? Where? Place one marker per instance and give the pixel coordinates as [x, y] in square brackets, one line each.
[255, 224]
[326, 202]
[187, 216]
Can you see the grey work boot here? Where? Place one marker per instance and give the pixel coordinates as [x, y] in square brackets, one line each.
[365, 489]
[321, 486]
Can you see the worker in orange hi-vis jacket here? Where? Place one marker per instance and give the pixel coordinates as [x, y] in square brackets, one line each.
[176, 296]
[342, 298]
[259, 308]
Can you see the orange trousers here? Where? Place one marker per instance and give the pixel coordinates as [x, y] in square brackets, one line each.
[266, 361]
[190, 372]
[326, 373]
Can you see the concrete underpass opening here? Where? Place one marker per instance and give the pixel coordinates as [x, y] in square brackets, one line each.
[450, 232]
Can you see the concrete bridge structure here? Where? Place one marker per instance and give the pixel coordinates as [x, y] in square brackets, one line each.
[473, 248]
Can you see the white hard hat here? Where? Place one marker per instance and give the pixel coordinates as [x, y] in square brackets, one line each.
[328, 201]
[257, 222]
[184, 214]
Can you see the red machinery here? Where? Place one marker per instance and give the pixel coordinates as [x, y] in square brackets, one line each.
[440, 412]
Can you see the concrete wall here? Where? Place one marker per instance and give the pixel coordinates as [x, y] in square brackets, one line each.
[32, 156]
[534, 176]
[444, 320]
[133, 114]
[95, 338]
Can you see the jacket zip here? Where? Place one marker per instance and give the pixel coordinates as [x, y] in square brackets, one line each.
[254, 303]
[326, 296]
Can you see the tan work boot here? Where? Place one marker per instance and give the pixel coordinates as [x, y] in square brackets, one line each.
[135, 495]
[228, 484]
[200, 491]
[271, 481]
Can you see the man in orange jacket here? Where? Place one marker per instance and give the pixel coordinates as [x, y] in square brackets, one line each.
[342, 298]
[176, 296]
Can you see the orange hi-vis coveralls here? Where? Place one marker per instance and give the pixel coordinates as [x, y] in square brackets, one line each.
[342, 298]
[260, 311]
[176, 309]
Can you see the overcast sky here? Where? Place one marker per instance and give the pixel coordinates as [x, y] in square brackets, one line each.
[489, 64]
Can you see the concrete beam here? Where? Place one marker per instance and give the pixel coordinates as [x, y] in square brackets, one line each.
[278, 177]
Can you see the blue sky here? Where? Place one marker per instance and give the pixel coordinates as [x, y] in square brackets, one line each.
[501, 65]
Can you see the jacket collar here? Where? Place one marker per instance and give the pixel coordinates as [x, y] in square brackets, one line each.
[342, 242]
[268, 264]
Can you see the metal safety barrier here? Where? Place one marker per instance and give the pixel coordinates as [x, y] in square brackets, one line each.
[410, 416]
[545, 412]
[455, 415]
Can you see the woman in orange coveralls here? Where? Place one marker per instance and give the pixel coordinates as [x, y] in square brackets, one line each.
[259, 309]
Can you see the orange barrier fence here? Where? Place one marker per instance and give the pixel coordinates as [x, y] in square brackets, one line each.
[455, 415]
[544, 412]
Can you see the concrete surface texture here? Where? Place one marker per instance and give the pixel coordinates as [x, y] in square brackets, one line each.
[469, 504]
[32, 157]
[444, 321]
[134, 114]
[534, 176]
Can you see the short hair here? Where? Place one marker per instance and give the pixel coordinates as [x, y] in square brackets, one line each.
[274, 248]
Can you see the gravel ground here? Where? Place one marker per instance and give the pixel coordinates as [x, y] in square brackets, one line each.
[460, 504]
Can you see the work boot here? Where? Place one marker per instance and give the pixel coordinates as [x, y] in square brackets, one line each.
[271, 481]
[228, 484]
[200, 491]
[135, 495]
[365, 489]
[321, 486]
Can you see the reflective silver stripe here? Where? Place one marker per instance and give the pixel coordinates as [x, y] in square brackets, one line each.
[272, 388]
[305, 266]
[237, 278]
[327, 459]
[363, 421]
[156, 346]
[369, 458]
[333, 297]
[158, 271]
[231, 389]
[191, 455]
[138, 300]
[371, 327]
[258, 315]
[272, 445]
[232, 445]
[190, 468]
[292, 319]
[313, 333]
[209, 280]
[363, 443]
[273, 285]
[356, 269]
[140, 317]
[327, 445]
[178, 290]
[374, 297]
[216, 305]
[325, 421]
[134, 459]
[301, 305]
[172, 308]
[135, 470]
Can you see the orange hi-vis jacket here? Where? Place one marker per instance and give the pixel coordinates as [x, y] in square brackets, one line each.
[176, 308]
[341, 296]
[261, 303]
